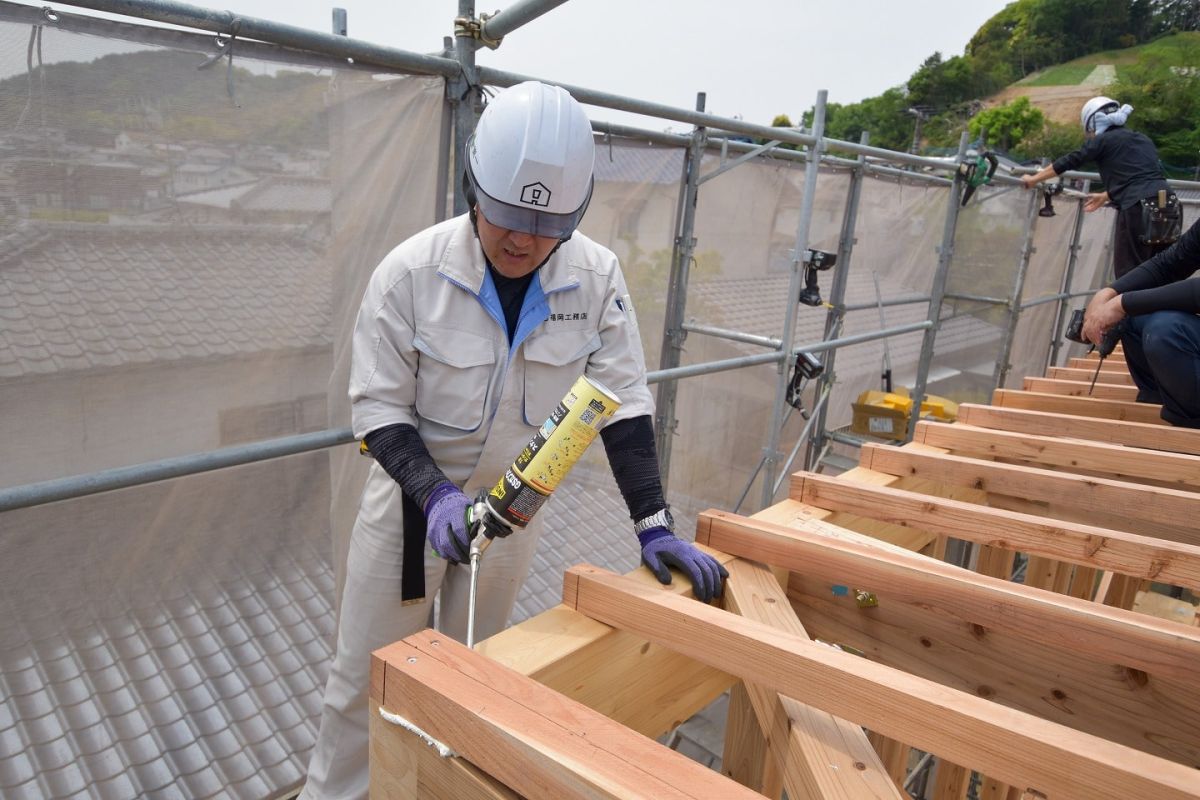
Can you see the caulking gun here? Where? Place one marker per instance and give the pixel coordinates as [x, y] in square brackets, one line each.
[536, 472]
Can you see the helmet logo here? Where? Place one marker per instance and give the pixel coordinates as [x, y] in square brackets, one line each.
[535, 194]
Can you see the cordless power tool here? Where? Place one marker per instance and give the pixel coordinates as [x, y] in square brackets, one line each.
[1108, 342]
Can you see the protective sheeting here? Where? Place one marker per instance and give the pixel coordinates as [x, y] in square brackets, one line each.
[178, 248]
[182, 253]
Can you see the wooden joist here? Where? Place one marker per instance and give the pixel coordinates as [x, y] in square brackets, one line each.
[1166, 513]
[1082, 406]
[1109, 365]
[824, 552]
[534, 740]
[1111, 377]
[611, 671]
[1073, 426]
[1181, 470]
[1102, 391]
[818, 754]
[1117, 551]
[1044, 691]
[1009, 745]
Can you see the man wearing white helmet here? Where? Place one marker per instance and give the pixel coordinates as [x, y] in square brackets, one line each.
[1148, 213]
[468, 335]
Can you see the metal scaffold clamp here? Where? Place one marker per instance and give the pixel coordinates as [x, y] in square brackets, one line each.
[473, 29]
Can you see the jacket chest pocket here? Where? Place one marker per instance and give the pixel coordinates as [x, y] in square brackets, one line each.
[453, 376]
[552, 364]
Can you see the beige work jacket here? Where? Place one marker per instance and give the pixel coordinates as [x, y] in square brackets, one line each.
[430, 349]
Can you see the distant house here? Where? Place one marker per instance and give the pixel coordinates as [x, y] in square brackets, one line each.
[273, 200]
[97, 186]
[194, 177]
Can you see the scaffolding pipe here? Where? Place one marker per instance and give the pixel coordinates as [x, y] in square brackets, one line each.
[737, 336]
[710, 367]
[183, 14]
[811, 170]
[837, 312]
[938, 291]
[1041, 301]
[817, 411]
[1056, 336]
[509, 19]
[1014, 305]
[674, 334]
[903, 300]
[463, 92]
[228, 23]
[976, 298]
[36, 494]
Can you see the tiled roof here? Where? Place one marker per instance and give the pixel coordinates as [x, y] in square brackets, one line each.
[758, 306]
[661, 165]
[306, 195]
[76, 297]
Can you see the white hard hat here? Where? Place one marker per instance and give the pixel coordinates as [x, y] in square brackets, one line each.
[1087, 115]
[530, 160]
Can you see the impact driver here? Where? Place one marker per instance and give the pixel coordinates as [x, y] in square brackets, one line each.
[1107, 344]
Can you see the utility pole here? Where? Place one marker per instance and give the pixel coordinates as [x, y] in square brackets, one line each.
[921, 113]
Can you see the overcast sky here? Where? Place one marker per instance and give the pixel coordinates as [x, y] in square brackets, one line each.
[753, 58]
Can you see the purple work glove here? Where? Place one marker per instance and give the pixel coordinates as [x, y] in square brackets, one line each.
[661, 548]
[446, 523]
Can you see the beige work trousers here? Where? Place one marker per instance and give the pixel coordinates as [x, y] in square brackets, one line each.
[372, 616]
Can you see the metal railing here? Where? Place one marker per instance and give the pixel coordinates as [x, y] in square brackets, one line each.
[281, 41]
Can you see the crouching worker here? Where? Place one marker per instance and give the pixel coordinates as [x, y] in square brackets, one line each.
[1161, 299]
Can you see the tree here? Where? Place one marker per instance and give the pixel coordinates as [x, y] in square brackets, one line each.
[1177, 15]
[784, 121]
[940, 84]
[884, 116]
[1008, 124]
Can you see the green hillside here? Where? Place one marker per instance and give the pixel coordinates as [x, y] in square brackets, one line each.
[1144, 52]
[1180, 50]
[163, 91]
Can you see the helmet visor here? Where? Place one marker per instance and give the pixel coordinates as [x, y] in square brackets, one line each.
[529, 220]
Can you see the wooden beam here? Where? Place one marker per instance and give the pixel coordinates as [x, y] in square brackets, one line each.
[405, 767]
[1181, 470]
[1167, 513]
[1127, 553]
[1082, 406]
[822, 551]
[531, 738]
[747, 756]
[647, 688]
[819, 754]
[1012, 746]
[1069, 374]
[1156, 714]
[1133, 434]
[1090, 363]
[1103, 391]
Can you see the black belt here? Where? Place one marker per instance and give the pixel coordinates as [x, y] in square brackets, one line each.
[412, 567]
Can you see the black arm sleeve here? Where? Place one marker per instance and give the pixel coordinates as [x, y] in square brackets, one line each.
[1078, 158]
[1171, 266]
[1179, 296]
[629, 444]
[403, 455]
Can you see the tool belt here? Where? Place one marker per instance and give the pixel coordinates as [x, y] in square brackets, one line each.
[1162, 218]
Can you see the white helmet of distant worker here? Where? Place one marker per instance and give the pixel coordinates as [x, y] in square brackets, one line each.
[1087, 116]
[530, 160]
